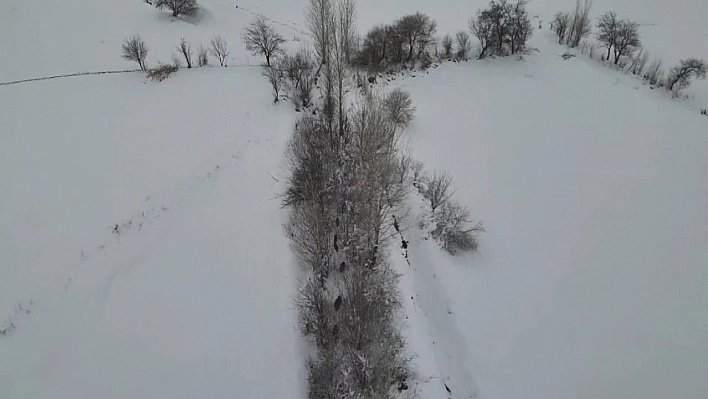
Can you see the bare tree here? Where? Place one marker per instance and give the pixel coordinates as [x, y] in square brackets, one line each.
[134, 49]
[261, 39]
[447, 46]
[463, 44]
[178, 7]
[560, 25]
[482, 27]
[627, 39]
[608, 27]
[417, 30]
[680, 76]
[319, 17]
[276, 78]
[186, 51]
[438, 189]
[300, 71]
[202, 56]
[219, 49]
[580, 24]
[520, 27]
[455, 229]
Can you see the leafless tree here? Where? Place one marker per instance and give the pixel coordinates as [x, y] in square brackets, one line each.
[261, 39]
[300, 71]
[447, 46]
[580, 23]
[438, 190]
[319, 16]
[417, 30]
[627, 39]
[463, 44]
[608, 27]
[454, 228]
[219, 49]
[202, 56]
[680, 76]
[482, 27]
[520, 27]
[560, 25]
[178, 7]
[186, 51]
[276, 78]
[135, 49]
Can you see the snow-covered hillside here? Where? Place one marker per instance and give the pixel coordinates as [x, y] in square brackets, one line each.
[141, 244]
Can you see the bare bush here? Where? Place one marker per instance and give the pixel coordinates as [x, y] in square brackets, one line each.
[162, 72]
[463, 44]
[186, 51]
[176, 61]
[261, 39]
[454, 228]
[680, 76]
[276, 78]
[300, 71]
[219, 49]
[560, 25]
[399, 107]
[202, 56]
[316, 315]
[135, 49]
[639, 62]
[437, 189]
[179, 7]
[447, 46]
[654, 74]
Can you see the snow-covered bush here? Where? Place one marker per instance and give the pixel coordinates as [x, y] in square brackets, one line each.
[178, 7]
[202, 56]
[399, 107]
[454, 228]
[135, 49]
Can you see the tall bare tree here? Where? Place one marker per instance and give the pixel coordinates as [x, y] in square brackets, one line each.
[261, 39]
[607, 26]
[186, 50]
[319, 17]
[219, 49]
[135, 49]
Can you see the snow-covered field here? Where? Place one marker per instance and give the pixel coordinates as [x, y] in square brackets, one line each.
[141, 247]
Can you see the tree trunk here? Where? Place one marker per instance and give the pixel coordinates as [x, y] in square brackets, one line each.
[608, 52]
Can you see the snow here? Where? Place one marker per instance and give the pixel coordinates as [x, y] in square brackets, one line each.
[590, 280]
[141, 244]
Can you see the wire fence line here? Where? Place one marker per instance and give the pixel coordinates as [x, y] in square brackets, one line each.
[78, 74]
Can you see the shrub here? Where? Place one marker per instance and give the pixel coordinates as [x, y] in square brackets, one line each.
[202, 56]
[399, 107]
[178, 7]
[300, 71]
[454, 229]
[680, 76]
[639, 62]
[219, 49]
[437, 189]
[162, 72]
[276, 78]
[560, 24]
[261, 39]
[654, 74]
[134, 49]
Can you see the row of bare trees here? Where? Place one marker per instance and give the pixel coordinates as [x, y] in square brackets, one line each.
[134, 49]
[502, 28]
[622, 40]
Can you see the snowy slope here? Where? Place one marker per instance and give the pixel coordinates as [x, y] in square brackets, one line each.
[589, 283]
[591, 278]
